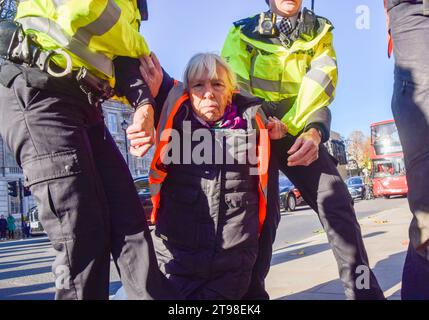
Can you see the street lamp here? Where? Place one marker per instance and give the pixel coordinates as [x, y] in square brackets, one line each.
[124, 126]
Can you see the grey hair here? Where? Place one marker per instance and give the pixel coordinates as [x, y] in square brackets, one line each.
[207, 63]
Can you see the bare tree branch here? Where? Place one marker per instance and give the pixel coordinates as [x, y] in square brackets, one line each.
[358, 148]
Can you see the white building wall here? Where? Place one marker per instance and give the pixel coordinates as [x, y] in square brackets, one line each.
[4, 206]
[138, 166]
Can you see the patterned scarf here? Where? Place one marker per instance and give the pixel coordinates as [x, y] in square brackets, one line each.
[230, 119]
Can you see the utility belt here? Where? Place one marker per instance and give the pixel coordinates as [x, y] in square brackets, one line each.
[394, 3]
[21, 49]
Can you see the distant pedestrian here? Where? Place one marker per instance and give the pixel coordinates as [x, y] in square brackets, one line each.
[3, 227]
[25, 227]
[11, 226]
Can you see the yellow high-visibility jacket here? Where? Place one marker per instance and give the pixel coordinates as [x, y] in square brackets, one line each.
[93, 32]
[298, 75]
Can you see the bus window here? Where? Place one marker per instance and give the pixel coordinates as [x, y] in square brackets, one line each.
[388, 167]
[386, 139]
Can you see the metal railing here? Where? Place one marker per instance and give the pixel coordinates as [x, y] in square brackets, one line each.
[6, 171]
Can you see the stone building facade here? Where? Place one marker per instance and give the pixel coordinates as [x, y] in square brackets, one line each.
[117, 118]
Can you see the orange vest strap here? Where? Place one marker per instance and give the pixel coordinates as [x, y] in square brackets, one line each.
[155, 203]
[263, 162]
[156, 174]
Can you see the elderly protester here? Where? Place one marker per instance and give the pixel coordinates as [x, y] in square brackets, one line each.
[208, 176]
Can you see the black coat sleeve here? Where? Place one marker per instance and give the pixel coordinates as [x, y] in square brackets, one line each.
[166, 85]
[130, 83]
[320, 120]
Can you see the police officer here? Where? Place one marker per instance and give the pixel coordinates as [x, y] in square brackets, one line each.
[409, 29]
[54, 126]
[286, 57]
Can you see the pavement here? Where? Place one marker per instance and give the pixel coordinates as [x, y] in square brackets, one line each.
[307, 270]
[302, 270]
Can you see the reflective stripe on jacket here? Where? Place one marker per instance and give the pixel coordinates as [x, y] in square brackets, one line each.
[92, 32]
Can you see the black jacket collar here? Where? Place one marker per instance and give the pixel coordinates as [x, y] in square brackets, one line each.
[307, 25]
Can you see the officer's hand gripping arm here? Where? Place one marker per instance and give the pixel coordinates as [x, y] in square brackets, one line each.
[321, 121]
[141, 131]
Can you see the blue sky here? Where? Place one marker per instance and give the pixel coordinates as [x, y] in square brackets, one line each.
[177, 29]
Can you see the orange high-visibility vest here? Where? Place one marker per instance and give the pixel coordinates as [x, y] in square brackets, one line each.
[157, 174]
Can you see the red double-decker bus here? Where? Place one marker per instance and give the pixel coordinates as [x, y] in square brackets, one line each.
[388, 168]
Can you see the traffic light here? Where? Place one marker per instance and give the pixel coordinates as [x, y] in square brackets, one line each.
[12, 188]
[27, 191]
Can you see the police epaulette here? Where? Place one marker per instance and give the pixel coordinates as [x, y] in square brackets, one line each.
[324, 19]
[242, 22]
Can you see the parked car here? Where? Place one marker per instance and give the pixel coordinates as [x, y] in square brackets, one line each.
[356, 187]
[354, 193]
[290, 197]
[142, 187]
[36, 228]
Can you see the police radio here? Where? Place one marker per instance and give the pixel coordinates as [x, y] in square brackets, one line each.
[267, 23]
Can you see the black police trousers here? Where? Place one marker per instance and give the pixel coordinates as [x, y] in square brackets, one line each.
[323, 189]
[410, 107]
[86, 198]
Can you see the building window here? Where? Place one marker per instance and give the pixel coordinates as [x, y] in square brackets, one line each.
[14, 205]
[10, 160]
[112, 122]
[338, 150]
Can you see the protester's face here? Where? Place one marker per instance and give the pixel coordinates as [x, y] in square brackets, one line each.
[210, 97]
[285, 8]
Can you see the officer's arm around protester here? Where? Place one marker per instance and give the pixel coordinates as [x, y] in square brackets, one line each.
[61, 67]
